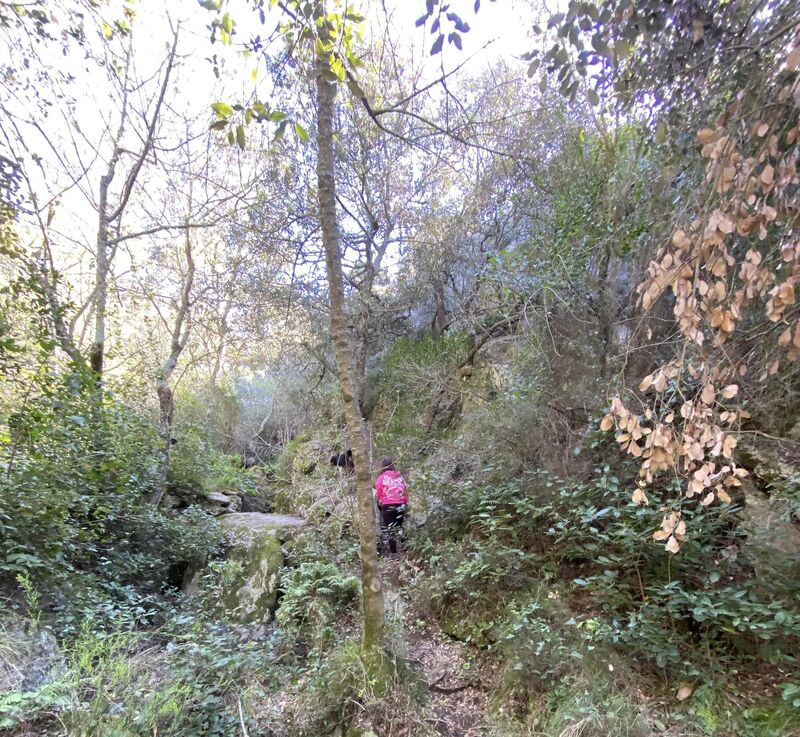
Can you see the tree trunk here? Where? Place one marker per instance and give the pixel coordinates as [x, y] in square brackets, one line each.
[96, 356]
[212, 435]
[440, 320]
[166, 395]
[604, 309]
[372, 593]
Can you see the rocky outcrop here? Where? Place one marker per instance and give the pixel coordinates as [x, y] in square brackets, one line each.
[34, 659]
[213, 502]
[770, 506]
[282, 524]
[245, 586]
[217, 503]
[250, 584]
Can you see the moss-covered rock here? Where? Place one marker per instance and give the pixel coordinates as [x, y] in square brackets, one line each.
[250, 586]
[244, 587]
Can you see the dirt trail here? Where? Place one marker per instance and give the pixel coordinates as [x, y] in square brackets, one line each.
[457, 689]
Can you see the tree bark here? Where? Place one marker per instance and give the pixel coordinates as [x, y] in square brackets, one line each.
[97, 353]
[604, 309]
[106, 216]
[372, 592]
[166, 396]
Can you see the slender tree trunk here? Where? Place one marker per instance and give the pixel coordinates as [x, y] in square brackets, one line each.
[604, 309]
[440, 313]
[97, 354]
[372, 593]
[166, 395]
[213, 388]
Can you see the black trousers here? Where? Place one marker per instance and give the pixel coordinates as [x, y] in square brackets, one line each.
[391, 524]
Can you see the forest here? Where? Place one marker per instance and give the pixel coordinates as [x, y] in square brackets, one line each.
[399, 368]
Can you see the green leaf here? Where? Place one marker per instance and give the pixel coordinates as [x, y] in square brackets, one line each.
[240, 136]
[661, 132]
[623, 48]
[592, 97]
[301, 132]
[280, 130]
[231, 138]
[227, 23]
[219, 125]
[437, 45]
[338, 68]
[533, 66]
[222, 109]
[600, 46]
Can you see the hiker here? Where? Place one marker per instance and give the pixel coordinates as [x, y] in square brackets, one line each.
[391, 493]
[343, 460]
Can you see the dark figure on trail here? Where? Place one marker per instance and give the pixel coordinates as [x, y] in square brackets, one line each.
[343, 460]
[391, 493]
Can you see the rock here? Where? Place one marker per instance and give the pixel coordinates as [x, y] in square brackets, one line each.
[33, 660]
[246, 585]
[250, 586]
[219, 498]
[773, 541]
[171, 501]
[255, 521]
[359, 732]
[217, 503]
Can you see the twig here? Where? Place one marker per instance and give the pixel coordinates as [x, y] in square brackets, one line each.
[241, 717]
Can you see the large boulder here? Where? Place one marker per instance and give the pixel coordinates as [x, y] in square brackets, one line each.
[34, 659]
[773, 540]
[245, 586]
[242, 523]
[217, 503]
[250, 586]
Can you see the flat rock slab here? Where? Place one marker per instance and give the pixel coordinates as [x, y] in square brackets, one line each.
[257, 521]
[219, 498]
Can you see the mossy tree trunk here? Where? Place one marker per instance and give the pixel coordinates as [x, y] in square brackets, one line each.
[372, 593]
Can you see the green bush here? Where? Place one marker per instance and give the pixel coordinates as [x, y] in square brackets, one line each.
[699, 611]
[76, 472]
[118, 684]
[315, 594]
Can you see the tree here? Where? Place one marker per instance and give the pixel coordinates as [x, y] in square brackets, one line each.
[111, 215]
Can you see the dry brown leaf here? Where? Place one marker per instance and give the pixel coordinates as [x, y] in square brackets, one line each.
[606, 423]
[639, 497]
[672, 545]
[706, 135]
[685, 690]
[730, 391]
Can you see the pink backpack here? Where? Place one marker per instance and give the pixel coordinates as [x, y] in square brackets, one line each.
[391, 488]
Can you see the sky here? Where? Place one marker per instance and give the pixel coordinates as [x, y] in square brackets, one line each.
[84, 113]
[76, 131]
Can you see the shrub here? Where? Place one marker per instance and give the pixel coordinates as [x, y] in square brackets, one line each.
[315, 594]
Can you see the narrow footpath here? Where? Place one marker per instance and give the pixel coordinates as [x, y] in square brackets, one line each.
[457, 689]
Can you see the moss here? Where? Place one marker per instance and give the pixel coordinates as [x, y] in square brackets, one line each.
[250, 588]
